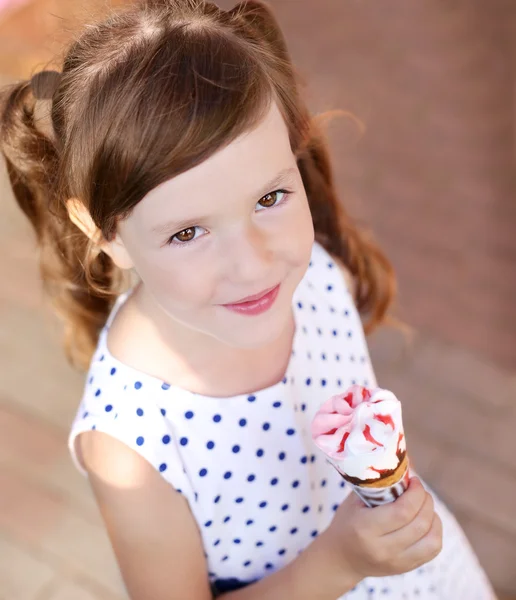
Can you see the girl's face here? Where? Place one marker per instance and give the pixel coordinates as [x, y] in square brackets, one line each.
[235, 226]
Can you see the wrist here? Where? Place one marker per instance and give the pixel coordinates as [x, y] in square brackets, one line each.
[320, 569]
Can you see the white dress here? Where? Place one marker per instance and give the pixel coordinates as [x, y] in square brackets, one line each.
[256, 484]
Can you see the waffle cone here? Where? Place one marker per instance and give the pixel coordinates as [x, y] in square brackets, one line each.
[391, 479]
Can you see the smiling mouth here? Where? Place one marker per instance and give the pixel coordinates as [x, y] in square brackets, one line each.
[252, 298]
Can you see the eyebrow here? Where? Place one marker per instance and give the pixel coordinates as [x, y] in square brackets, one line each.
[278, 179]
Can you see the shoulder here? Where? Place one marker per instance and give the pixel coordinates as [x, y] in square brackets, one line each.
[320, 254]
[346, 274]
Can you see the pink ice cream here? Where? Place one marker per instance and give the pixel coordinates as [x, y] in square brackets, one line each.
[361, 432]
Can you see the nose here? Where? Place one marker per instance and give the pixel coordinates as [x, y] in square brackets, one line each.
[249, 257]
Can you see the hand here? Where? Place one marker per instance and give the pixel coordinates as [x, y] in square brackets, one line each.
[385, 540]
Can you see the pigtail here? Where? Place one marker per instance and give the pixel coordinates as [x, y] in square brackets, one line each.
[77, 281]
[375, 283]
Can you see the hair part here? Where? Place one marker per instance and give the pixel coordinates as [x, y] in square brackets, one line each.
[144, 96]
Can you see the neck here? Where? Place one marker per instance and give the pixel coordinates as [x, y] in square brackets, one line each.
[201, 363]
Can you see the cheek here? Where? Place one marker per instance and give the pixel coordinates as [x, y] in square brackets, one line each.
[175, 281]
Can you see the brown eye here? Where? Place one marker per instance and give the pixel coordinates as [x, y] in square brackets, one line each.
[269, 200]
[187, 235]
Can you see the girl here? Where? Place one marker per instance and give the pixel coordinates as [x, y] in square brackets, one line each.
[174, 147]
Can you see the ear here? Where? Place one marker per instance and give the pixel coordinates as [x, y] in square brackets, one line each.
[115, 249]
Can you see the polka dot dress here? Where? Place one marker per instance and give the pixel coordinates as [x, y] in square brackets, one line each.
[256, 485]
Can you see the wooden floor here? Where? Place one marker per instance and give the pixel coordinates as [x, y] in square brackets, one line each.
[434, 179]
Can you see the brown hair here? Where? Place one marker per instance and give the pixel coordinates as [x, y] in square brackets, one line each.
[144, 96]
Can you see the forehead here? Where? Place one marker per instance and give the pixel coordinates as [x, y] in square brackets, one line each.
[243, 165]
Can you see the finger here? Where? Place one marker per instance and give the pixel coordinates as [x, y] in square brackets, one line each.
[415, 530]
[394, 516]
[425, 549]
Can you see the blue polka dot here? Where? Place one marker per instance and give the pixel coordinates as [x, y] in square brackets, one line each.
[85, 414]
[282, 551]
[259, 544]
[113, 371]
[306, 509]
[183, 441]
[208, 523]
[303, 407]
[323, 356]
[249, 522]
[139, 412]
[274, 481]
[94, 427]
[216, 542]
[266, 426]
[273, 528]
[236, 448]
[314, 533]
[139, 440]
[163, 411]
[293, 530]
[97, 393]
[314, 308]
[300, 305]
[166, 440]
[189, 414]
[282, 456]
[203, 472]
[224, 558]
[227, 474]
[163, 467]
[350, 334]
[247, 563]
[226, 519]
[251, 398]
[165, 386]
[304, 459]
[284, 378]
[237, 541]
[138, 385]
[291, 431]
[308, 381]
[217, 418]
[284, 507]
[329, 288]
[323, 482]
[108, 407]
[259, 452]
[216, 499]
[295, 483]
[269, 566]
[342, 484]
[210, 445]
[251, 478]
[277, 404]
[102, 358]
[242, 422]
[323, 382]
[335, 333]
[337, 357]
[262, 504]
[90, 381]
[312, 458]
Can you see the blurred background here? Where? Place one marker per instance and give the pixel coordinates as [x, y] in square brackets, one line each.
[433, 177]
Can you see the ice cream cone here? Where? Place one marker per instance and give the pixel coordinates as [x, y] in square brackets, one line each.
[361, 433]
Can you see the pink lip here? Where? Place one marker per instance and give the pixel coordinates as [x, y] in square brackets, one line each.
[257, 304]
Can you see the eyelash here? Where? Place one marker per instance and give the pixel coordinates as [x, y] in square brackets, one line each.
[287, 193]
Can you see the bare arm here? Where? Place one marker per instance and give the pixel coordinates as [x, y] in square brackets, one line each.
[158, 545]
